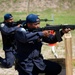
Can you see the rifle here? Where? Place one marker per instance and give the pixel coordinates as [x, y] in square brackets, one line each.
[45, 20]
[22, 22]
[56, 28]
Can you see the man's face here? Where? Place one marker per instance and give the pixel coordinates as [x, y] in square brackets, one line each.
[9, 20]
[33, 25]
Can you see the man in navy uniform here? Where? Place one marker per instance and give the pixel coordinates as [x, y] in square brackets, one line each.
[29, 60]
[7, 32]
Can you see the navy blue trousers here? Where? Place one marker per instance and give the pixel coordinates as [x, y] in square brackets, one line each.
[52, 68]
[9, 59]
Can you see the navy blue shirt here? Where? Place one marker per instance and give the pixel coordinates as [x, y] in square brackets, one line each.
[29, 48]
[7, 33]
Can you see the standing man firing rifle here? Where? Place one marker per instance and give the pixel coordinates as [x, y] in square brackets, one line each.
[29, 58]
[7, 32]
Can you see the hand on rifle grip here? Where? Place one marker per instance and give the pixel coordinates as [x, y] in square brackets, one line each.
[18, 25]
[46, 33]
[66, 30]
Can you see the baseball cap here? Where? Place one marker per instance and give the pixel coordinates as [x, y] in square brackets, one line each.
[7, 16]
[32, 18]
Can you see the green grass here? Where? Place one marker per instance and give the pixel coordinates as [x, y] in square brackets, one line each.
[60, 17]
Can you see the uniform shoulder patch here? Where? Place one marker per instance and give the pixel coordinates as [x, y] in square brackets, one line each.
[2, 25]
